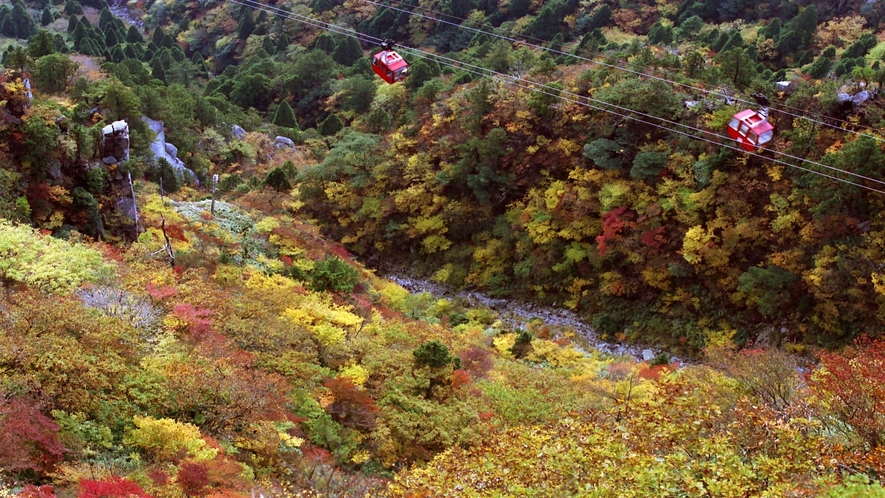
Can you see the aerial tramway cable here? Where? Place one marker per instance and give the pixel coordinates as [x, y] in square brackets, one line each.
[557, 93]
[619, 67]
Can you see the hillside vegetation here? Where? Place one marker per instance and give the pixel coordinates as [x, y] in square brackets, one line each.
[166, 334]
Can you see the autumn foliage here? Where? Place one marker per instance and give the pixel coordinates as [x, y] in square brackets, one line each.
[113, 487]
[28, 438]
[852, 386]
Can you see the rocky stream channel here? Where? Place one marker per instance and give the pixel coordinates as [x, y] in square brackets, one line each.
[518, 315]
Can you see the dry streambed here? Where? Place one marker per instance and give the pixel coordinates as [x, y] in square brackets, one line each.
[518, 316]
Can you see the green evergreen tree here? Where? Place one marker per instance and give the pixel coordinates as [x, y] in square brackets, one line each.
[660, 34]
[268, 46]
[73, 7]
[165, 174]
[282, 44]
[284, 116]
[518, 8]
[347, 51]
[546, 24]
[433, 354]
[105, 18]
[167, 42]
[133, 35]
[73, 22]
[117, 55]
[157, 70]
[821, 67]
[601, 17]
[277, 180]
[246, 25]
[648, 165]
[251, 90]
[331, 125]
[737, 66]
[24, 25]
[325, 42]
[60, 44]
[18, 58]
[43, 43]
[556, 43]
[861, 47]
[46, 17]
[158, 35]
[110, 38]
[84, 202]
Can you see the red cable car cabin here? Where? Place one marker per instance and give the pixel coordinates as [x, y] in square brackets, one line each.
[750, 129]
[390, 66]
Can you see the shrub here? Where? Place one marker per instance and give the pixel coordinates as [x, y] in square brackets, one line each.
[166, 439]
[434, 354]
[333, 274]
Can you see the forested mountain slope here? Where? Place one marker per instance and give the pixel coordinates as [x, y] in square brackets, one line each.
[165, 333]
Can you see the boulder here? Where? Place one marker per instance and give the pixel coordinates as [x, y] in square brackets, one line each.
[160, 149]
[171, 149]
[860, 98]
[280, 142]
[785, 86]
[237, 132]
[648, 355]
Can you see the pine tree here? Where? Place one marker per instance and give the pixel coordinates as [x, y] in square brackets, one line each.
[110, 38]
[546, 25]
[267, 45]
[277, 180]
[134, 35]
[331, 125]
[246, 25]
[43, 43]
[158, 35]
[105, 18]
[73, 7]
[284, 116]
[324, 42]
[117, 55]
[347, 52]
[25, 27]
[46, 17]
[282, 44]
[157, 70]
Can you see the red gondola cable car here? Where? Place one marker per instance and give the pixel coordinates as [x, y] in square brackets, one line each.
[388, 64]
[750, 129]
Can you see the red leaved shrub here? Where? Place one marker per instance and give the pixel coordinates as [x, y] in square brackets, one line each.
[31, 491]
[193, 478]
[28, 439]
[352, 407]
[112, 487]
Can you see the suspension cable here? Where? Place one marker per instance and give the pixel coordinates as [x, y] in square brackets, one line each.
[557, 93]
[634, 72]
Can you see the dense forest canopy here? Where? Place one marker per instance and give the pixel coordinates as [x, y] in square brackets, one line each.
[185, 308]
